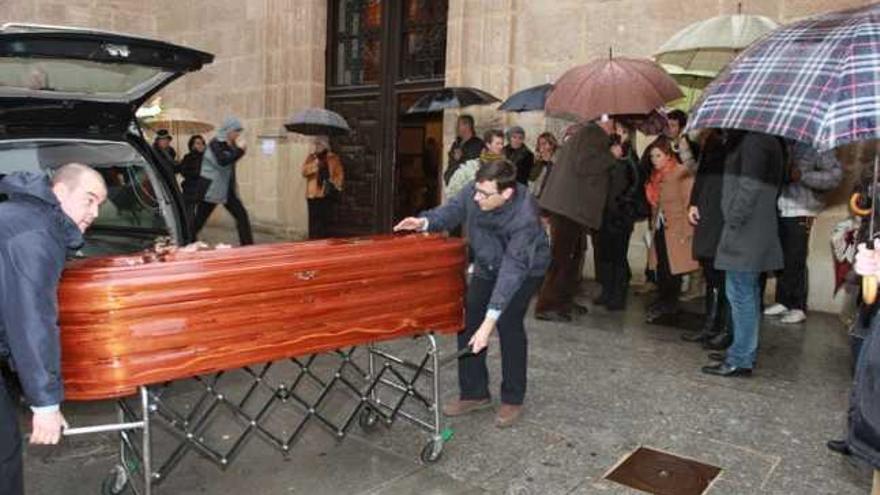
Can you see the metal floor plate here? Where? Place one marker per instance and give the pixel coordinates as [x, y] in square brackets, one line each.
[661, 473]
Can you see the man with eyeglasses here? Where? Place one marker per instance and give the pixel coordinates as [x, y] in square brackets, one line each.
[511, 253]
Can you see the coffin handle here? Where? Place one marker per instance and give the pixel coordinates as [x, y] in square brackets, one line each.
[306, 274]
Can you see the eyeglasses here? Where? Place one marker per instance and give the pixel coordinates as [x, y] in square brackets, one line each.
[481, 194]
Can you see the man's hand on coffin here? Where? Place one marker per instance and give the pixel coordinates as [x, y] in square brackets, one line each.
[411, 223]
[480, 340]
[47, 427]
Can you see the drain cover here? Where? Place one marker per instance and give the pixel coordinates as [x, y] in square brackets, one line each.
[661, 473]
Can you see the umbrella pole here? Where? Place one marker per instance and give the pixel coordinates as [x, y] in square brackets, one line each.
[875, 490]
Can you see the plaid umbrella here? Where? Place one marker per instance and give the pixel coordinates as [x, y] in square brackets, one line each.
[816, 81]
[446, 98]
[318, 122]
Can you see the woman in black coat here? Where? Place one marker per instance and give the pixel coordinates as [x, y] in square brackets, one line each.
[621, 211]
[190, 168]
[705, 214]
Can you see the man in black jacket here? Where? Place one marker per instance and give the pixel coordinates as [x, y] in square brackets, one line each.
[511, 253]
[466, 146]
[40, 223]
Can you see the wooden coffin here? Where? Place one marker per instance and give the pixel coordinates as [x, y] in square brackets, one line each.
[126, 322]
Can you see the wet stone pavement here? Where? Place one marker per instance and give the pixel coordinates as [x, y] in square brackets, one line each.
[598, 389]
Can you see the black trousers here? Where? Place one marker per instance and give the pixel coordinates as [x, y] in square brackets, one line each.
[320, 216]
[612, 265]
[235, 207]
[473, 376]
[791, 283]
[714, 277]
[11, 466]
[668, 285]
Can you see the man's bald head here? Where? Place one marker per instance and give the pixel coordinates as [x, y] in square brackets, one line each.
[80, 190]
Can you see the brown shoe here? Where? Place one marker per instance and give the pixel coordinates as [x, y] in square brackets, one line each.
[460, 407]
[507, 415]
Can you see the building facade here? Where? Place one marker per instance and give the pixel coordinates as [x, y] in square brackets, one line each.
[370, 60]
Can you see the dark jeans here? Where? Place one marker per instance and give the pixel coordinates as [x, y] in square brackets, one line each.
[11, 471]
[473, 376]
[235, 208]
[612, 265]
[791, 283]
[668, 285]
[561, 283]
[320, 216]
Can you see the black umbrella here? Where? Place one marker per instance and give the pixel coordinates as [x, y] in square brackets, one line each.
[528, 99]
[446, 98]
[317, 122]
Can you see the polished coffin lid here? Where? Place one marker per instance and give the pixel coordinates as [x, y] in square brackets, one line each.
[126, 322]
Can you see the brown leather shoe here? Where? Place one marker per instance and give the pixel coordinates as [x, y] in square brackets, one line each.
[460, 407]
[507, 415]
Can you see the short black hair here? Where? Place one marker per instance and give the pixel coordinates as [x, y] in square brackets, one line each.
[678, 116]
[491, 133]
[503, 172]
[467, 118]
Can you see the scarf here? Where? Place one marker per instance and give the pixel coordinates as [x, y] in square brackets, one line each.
[652, 188]
[488, 156]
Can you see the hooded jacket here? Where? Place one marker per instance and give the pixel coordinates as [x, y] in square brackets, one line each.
[35, 237]
[218, 163]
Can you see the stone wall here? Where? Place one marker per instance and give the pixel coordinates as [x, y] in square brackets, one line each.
[503, 46]
[269, 62]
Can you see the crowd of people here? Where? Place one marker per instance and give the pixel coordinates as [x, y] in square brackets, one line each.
[727, 206]
[208, 178]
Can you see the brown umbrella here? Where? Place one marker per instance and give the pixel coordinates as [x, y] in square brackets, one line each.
[613, 85]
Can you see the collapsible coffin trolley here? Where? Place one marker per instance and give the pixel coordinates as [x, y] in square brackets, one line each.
[267, 338]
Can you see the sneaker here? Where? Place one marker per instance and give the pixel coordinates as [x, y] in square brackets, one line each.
[775, 310]
[507, 415]
[460, 407]
[794, 316]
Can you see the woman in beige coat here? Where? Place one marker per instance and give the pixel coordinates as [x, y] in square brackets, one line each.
[668, 191]
[324, 180]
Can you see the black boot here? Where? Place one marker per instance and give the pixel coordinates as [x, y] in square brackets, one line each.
[710, 324]
[724, 336]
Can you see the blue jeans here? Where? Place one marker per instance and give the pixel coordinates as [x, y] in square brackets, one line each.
[743, 292]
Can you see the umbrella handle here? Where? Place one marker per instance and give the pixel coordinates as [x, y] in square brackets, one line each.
[854, 207]
[869, 289]
[869, 283]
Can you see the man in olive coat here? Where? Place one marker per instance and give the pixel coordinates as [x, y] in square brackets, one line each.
[574, 196]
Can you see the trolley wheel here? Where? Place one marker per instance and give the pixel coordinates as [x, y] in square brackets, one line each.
[432, 451]
[116, 481]
[368, 418]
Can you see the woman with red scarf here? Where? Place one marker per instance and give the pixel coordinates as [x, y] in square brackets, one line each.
[668, 192]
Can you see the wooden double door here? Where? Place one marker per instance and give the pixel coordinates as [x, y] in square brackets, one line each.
[382, 55]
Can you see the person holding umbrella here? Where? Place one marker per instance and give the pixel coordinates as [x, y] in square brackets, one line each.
[511, 253]
[324, 178]
[574, 196]
[218, 169]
